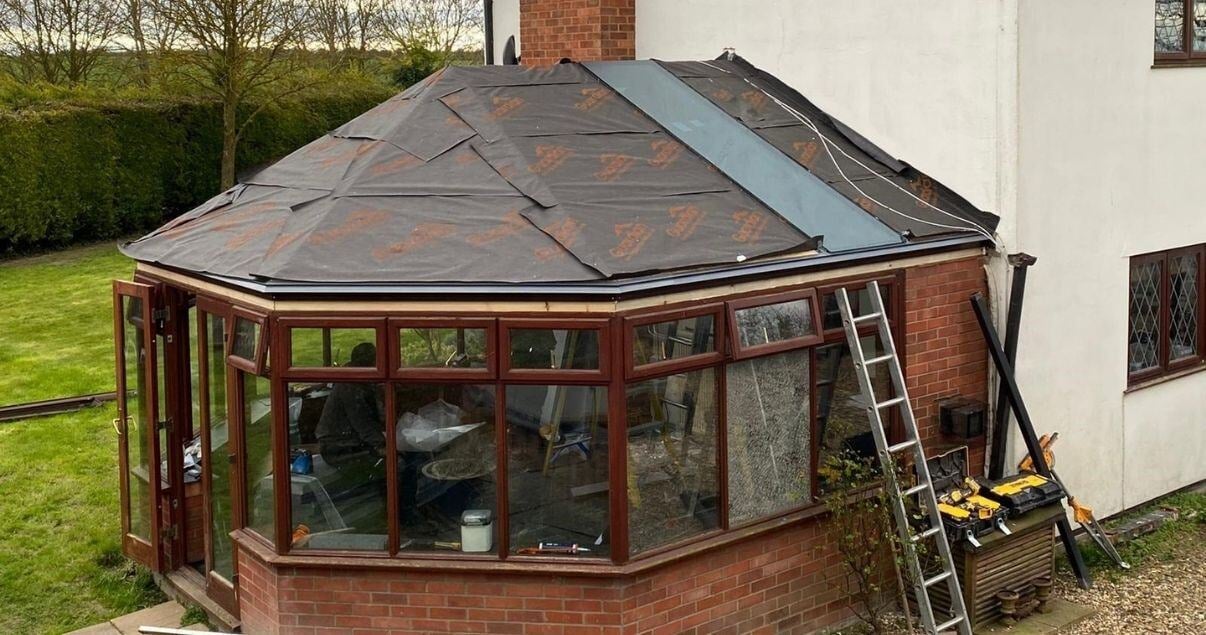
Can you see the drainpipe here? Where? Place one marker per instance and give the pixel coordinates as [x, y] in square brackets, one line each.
[488, 16]
[1020, 263]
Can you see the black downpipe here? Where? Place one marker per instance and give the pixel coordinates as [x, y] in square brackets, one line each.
[488, 19]
[1005, 370]
[1000, 422]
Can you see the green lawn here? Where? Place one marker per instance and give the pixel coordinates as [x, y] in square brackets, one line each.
[56, 323]
[61, 566]
[60, 561]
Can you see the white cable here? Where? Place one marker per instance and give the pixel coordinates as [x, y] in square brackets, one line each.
[826, 142]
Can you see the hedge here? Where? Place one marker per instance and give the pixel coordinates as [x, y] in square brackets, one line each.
[82, 172]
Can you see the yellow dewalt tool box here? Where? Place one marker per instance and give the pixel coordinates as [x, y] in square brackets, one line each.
[966, 512]
[1023, 492]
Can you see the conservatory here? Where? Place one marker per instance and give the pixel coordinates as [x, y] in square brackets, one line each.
[525, 347]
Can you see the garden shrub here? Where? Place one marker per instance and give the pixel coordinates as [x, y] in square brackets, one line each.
[89, 169]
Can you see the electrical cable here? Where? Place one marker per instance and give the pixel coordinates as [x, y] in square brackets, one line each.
[826, 142]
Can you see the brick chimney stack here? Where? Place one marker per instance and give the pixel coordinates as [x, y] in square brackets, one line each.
[582, 30]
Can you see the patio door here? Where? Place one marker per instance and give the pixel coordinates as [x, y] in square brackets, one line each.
[137, 425]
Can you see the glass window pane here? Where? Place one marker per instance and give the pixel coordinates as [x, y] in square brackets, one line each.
[447, 466]
[1144, 336]
[860, 303]
[774, 322]
[564, 349]
[138, 442]
[672, 458]
[769, 428]
[326, 347]
[219, 448]
[675, 339]
[1182, 306]
[557, 469]
[1199, 26]
[443, 348]
[257, 436]
[1170, 26]
[246, 335]
[337, 466]
[842, 423]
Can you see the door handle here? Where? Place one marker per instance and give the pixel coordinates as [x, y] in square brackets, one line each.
[116, 428]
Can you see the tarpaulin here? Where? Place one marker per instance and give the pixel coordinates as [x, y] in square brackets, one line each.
[514, 174]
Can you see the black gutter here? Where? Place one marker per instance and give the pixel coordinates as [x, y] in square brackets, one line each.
[601, 289]
[488, 19]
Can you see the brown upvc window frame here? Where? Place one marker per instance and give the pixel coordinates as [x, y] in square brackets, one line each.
[330, 373]
[1188, 56]
[633, 371]
[556, 375]
[398, 371]
[254, 366]
[738, 352]
[1165, 365]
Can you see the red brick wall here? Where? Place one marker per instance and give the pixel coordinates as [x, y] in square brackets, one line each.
[582, 30]
[785, 581]
[945, 354]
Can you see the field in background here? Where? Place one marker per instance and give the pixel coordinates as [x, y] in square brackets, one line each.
[56, 323]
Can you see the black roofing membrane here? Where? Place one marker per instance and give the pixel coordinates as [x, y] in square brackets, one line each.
[514, 174]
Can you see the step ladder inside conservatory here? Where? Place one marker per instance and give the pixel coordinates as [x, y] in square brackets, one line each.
[889, 455]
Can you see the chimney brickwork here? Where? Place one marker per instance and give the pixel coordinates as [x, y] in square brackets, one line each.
[582, 30]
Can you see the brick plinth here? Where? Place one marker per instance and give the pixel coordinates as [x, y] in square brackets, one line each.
[582, 30]
[787, 581]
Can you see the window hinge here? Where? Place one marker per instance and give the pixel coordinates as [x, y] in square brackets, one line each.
[160, 316]
[165, 424]
[232, 458]
[169, 532]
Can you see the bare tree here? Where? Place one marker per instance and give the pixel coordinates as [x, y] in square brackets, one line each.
[58, 41]
[149, 33]
[344, 26]
[240, 50]
[439, 26]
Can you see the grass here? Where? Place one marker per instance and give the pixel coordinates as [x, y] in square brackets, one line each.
[61, 566]
[56, 323]
[1166, 544]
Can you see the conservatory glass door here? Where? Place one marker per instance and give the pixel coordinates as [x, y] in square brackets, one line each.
[137, 405]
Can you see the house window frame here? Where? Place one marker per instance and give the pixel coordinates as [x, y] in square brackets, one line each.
[1186, 57]
[739, 352]
[489, 374]
[1165, 366]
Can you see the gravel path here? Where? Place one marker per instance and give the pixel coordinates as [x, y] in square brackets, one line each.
[1166, 597]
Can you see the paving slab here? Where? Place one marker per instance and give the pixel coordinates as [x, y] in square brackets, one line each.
[104, 628]
[167, 614]
[1063, 614]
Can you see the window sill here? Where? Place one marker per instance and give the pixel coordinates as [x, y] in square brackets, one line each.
[1167, 377]
[1190, 62]
[256, 547]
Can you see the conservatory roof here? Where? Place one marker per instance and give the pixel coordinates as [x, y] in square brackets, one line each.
[577, 174]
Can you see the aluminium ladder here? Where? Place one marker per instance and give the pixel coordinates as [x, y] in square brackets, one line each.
[924, 489]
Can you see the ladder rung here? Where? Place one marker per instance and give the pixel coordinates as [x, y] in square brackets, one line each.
[866, 318]
[889, 402]
[877, 360]
[926, 534]
[936, 579]
[917, 489]
[903, 445]
[949, 623]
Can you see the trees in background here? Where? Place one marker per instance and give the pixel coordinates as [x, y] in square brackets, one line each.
[439, 26]
[56, 41]
[246, 54]
[237, 49]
